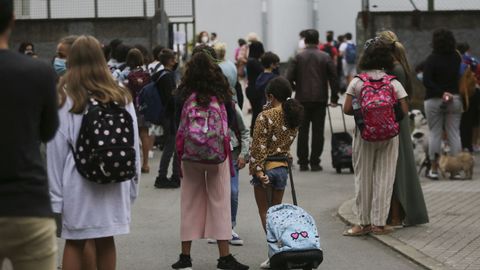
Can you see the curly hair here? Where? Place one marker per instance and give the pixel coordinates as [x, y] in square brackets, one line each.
[443, 41]
[377, 55]
[204, 76]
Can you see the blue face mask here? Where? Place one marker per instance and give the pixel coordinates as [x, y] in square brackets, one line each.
[60, 66]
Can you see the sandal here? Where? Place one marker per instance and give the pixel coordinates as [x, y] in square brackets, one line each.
[381, 230]
[358, 230]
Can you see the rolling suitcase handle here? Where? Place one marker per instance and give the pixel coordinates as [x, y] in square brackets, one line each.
[330, 118]
[290, 173]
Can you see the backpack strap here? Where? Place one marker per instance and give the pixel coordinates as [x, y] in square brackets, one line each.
[363, 76]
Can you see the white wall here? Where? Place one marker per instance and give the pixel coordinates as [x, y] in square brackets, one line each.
[338, 16]
[230, 19]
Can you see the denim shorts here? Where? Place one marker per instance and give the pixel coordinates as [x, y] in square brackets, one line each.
[277, 176]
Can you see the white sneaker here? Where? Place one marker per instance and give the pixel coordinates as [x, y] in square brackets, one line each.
[432, 175]
[236, 240]
[150, 154]
[265, 264]
[211, 241]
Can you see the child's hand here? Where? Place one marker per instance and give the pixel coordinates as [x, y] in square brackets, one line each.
[241, 163]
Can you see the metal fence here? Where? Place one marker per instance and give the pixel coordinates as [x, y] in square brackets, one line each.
[63, 9]
[423, 5]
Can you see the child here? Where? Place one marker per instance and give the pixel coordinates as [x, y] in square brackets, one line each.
[91, 210]
[206, 167]
[270, 62]
[374, 161]
[275, 131]
[166, 85]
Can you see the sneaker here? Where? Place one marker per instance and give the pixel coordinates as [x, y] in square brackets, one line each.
[175, 181]
[316, 168]
[236, 240]
[164, 182]
[304, 168]
[432, 175]
[211, 241]
[184, 263]
[150, 154]
[265, 264]
[230, 263]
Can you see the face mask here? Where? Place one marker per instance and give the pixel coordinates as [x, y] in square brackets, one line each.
[60, 66]
[301, 44]
[420, 76]
[204, 39]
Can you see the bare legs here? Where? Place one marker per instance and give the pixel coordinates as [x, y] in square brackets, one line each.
[262, 202]
[103, 248]
[147, 144]
[223, 247]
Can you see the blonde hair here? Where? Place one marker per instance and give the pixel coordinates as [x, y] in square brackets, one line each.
[88, 76]
[399, 53]
[251, 37]
[221, 50]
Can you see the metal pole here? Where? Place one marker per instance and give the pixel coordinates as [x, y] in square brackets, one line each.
[264, 22]
[431, 5]
[49, 9]
[365, 5]
[194, 24]
[95, 3]
[315, 14]
[144, 8]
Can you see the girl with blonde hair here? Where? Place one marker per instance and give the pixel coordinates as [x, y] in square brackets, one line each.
[408, 205]
[89, 210]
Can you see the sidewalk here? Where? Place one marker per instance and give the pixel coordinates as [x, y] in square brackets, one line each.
[452, 238]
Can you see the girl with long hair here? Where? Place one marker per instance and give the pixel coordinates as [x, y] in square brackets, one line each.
[205, 188]
[89, 210]
[408, 205]
[275, 130]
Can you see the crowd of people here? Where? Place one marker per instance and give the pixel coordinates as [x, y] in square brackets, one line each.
[92, 111]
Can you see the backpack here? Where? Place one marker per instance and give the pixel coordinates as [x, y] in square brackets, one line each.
[378, 108]
[203, 134]
[137, 80]
[104, 152]
[328, 49]
[351, 53]
[290, 228]
[150, 103]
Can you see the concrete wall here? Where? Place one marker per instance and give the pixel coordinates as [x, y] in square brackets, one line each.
[46, 33]
[415, 29]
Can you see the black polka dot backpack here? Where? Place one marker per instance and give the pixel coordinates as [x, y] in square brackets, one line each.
[104, 152]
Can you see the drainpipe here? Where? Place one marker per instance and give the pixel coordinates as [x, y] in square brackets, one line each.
[264, 23]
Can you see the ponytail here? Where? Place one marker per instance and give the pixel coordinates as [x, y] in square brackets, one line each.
[281, 89]
[293, 113]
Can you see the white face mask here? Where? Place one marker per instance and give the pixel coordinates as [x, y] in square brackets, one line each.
[301, 44]
[204, 39]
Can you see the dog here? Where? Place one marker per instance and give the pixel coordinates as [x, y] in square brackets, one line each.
[455, 164]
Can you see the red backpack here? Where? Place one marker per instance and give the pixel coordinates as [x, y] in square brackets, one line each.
[137, 79]
[378, 106]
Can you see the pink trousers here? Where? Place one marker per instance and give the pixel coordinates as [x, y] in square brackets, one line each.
[205, 201]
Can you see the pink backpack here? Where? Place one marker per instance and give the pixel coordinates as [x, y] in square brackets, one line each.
[377, 102]
[203, 134]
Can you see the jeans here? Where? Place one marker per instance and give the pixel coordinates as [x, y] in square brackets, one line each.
[234, 194]
[315, 114]
[168, 153]
[447, 120]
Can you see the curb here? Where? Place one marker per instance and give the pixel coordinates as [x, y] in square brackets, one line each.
[347, 215]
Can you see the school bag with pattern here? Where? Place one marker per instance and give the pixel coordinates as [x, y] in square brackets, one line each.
[379, 108]
[203, 134]
[137, 80]
[104, 152]
[290, 228]
[351, 53]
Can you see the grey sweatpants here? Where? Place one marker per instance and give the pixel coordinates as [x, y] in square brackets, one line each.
[444, 119]
[375, 164]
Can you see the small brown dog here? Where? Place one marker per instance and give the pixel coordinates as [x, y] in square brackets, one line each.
[453, 165]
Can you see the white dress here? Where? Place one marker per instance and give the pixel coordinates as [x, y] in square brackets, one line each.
[89, 210]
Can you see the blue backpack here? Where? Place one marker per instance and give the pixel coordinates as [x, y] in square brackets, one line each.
[290, 228]
[351, 53]
[150, 103]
